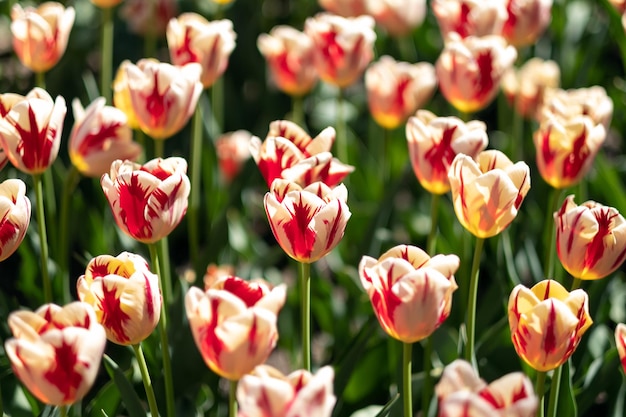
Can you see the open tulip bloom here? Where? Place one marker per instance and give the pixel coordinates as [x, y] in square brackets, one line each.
[398, 18]
[14, 216]
[590, 239]
[56, 351]
[526, 21]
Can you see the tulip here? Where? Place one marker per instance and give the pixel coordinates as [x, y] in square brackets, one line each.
[234, 323]
[103, 4]
[121, 94]
[124, 294]
[289, 152]
[163, 96]
[14, 216]
[619, 5]
[307, 222]
[30, 133]
[56, 351]
[566, 148]
[100, 135]
[592, 102]
[469, 17]
[148, 16]
[233, 150]
[487, 193]
[215, 272]
[434, 142]
[526, 21]
[620, 341]
[411, 293]
[192, 38]
[547, 323]
[590, 239]
[40, 34]
[395, 90]
[290, 59]
[398, 18]
[346, 8]
[343, 46]
[148, 201]
[525, 88]
[267, 392]
[461, 393]
[469, 70]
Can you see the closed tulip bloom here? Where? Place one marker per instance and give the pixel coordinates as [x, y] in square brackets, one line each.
[395, 90]
[105, 3]
[233, 150]
[566, 148]
[343, 46]
[40, 34]
[124, 294]
[526, 21]
[290, 59]
[233, 323]
[620, 342]
[121, 94]
[163, 96]
[289, 152]
[267, 392]
[411, 293]
[30, 133]
[148, 201]
[525, 88]
[619, 5]
[345, 8]
[148, 16]
[462, 393]
[469, 70]
[469, 17]
[398, 18]
[434, 142]
[590, 238]
[56, 351]
[591, 101]
[100, 135]
[307, 222]
[547, 323]
[14, 216]
[192, 38]
[488, 192]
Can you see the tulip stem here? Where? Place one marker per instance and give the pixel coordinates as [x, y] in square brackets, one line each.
[470, 355]
[40, 79]
[159, 148]
[305, 301]
[407, 356]
[217, 104]
[342, 138]
[576, 283]
[232, 399]
[431, 242]
[551, 245]
[43, 238]
[71, 181]
[164, 257]
[427, 388]
[194, 198]
[555, 386]
[107, 53]
[165, 349]
[297, 110]
[63, 411]
[540, 383]
[147, 383]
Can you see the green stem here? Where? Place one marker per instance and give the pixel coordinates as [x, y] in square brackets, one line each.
[147, 383]
[165, 275]
[555, 386]
[385, 157]
[71, 181]
[551, 244]
[159, 148]
[51, 209]
[342, 138]
[431, 242]
[470, 355]
[305, 304]
[217, 104]
[40, 79]
[427, 389]
[167, 366]
[63, 411]
[297, 110]
[150, 41]
[194, 198]
[576, 283]
[539, 391]
[232, 399]
[107, 54]
[407, 391]
[43, 238]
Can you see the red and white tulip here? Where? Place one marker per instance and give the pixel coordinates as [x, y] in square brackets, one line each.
[14, 216]
[469, 17]
[526, 21]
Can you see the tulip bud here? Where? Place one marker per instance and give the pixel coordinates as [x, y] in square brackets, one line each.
[14, 216]
[568, 104]
[56, 351]
[234, 323]
[398, 18]
[547, 323]
[307, 222]
[590, 239]
[526, 21]
[148, 16]
[267, 392]
[148, 201]
[345, 8]
[469, 17]
[620, 342]
[487, 194]
[411, 293]
[124, 294]
[525, 88]
[233, 150]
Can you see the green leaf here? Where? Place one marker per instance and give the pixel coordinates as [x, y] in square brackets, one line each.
[127, 392]
[387, 408]
[567, 401]
[106, 401]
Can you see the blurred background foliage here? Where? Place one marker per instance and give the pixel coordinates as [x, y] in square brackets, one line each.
[585, 38]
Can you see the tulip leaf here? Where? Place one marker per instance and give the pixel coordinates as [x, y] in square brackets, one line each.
[567, 401]
[387, 408]
[50, 411]
[127, 392]
[106, 401]
[619, 402]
